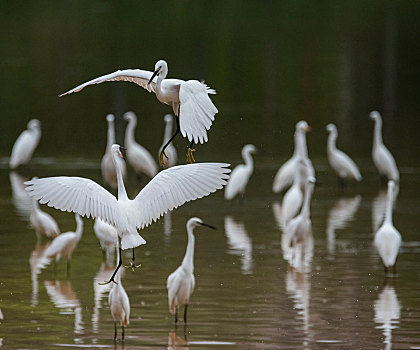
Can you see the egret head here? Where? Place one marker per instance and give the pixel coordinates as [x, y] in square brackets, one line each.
[194, 222]
[374, 115]
[34, 124]
[110, 118]
[130, 117]
[168, 118]
[311, 180]
[249, 149]
[117, 149]
[303, 126]
[331, 127]
[161, 68]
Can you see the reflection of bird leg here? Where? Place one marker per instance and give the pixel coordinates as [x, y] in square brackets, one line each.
[190, 156]
[122, 333]
[118, 266]
[133, 265]
[162, 153]
[185, 314]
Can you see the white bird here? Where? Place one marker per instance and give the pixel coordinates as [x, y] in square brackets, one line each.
[64, 244]
[42, 222]
[381, 156]
[285, 175]
[170, 152]
[107, 236]
[25, 144]
[20, 198]
[109, 174]
[241, 174]
[167, 190]
[181, 282]
[119, 305]
[189, 99]
[293, 198]
[340, 162]
[138, 156]
[387, 238]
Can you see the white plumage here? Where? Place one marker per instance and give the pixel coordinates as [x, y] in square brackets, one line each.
[107, 236]
[170, 150]
[387, 238]
[25, 144]
[189, 99]
[293, 198]
[340, 162]
[241, 174]
[167, 190]
[109, 173]
[381, 156]
[119, 305]
[42, 222]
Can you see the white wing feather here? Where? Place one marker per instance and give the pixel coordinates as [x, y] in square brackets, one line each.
[75, 194]
[138, 76]
[174, 186]
[197, 110]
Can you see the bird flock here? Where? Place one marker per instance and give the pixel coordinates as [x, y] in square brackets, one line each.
[118, 218]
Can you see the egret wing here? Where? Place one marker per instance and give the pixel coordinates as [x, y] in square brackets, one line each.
[138, 76]
[196, 110]
[75, 194]
[174, 186]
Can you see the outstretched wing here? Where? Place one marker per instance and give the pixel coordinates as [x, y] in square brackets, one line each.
[138, 76]
[75, 194]
[174, 186]
[197, 110]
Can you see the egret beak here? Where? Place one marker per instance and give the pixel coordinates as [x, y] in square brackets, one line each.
[207, 225]
[122, 149]
[156, 72]
[308, 129]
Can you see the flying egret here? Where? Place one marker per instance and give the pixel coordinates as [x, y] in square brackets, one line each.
[189, 99]
[109, 174]
[387, 238]
[138, 156]
[107, 236]
[241, 174]
[381, 156]
[64, 244]
[167, 190]
[340, 162]
[119, 305]
[25, 144]
[170, 151]
[42, 222]
[293, 198]
[181, 282]
[285, 175]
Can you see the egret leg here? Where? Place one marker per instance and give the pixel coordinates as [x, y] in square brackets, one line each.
[341, 184]
[118, 266]
[190, 156]
[386, 269]
[162, 153]
[133, 265]
[176, 315]
[122, 333]
[115, 331]
[68, 266]
[185, 314]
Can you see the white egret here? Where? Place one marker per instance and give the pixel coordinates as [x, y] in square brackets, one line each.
[64, 244]
[107, 236]
[241, 174]
[340, 162]
[170, 152]
[387, 238]
[25, 144]
[167, 190]
[381, 156]
[109, 174]
[20, 198]
[42, 222]
[138, 156]
[181, 282]
[189, 99]
[293, 198]
[119, 305]
[285, 175]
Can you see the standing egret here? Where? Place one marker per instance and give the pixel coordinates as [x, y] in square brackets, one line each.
[43, 223]
[241, 174]
[138, 156]
[119, 305]
[107, 236]
[170, 152]
[181, 282]
[340, 162]
[387, 238]
[293, 198]
[285, 175]
[381, 156]
[109, 174]
[64, 245]
[189, 99]
[25, 144]
[167, 190]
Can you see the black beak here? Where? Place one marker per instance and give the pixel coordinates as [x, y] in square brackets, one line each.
[207, 225]
[156, 72]
[122, 150]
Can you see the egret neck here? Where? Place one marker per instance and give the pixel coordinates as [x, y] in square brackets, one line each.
[188, 261]
[389, 204]
[377, 138]
[122, 194]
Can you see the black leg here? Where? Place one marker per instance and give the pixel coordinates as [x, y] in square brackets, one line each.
[341, 184]
[119, 263]
[122, 332]
[190, 157]
[176, 315]
[115, 331]
[68, 266]
[185, 314]
[162, 153]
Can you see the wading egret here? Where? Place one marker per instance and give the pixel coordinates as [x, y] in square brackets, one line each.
[64, 245]
[381, 156]
[241, 174]
[138, 156]
[109, 174]
[387, 238]
[119, 305]
[107, 236]
[189, 99]
[167, 190]
[181, 282]
[293, 198]
[170, 158]
[43, 223]
[285, 175]
[25, 144]
[340, 162]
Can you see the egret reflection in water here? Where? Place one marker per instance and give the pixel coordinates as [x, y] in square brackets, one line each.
[20, 197]
[239, 243]
[176, 342]
[36, 256]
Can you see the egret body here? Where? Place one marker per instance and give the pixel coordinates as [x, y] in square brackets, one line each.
[170, 149]
[42, 222]
[293, 198]
[119, 305]
[25, 144]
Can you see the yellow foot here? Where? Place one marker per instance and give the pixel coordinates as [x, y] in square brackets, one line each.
[161, 160]
[132, 265]
[190, 156]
